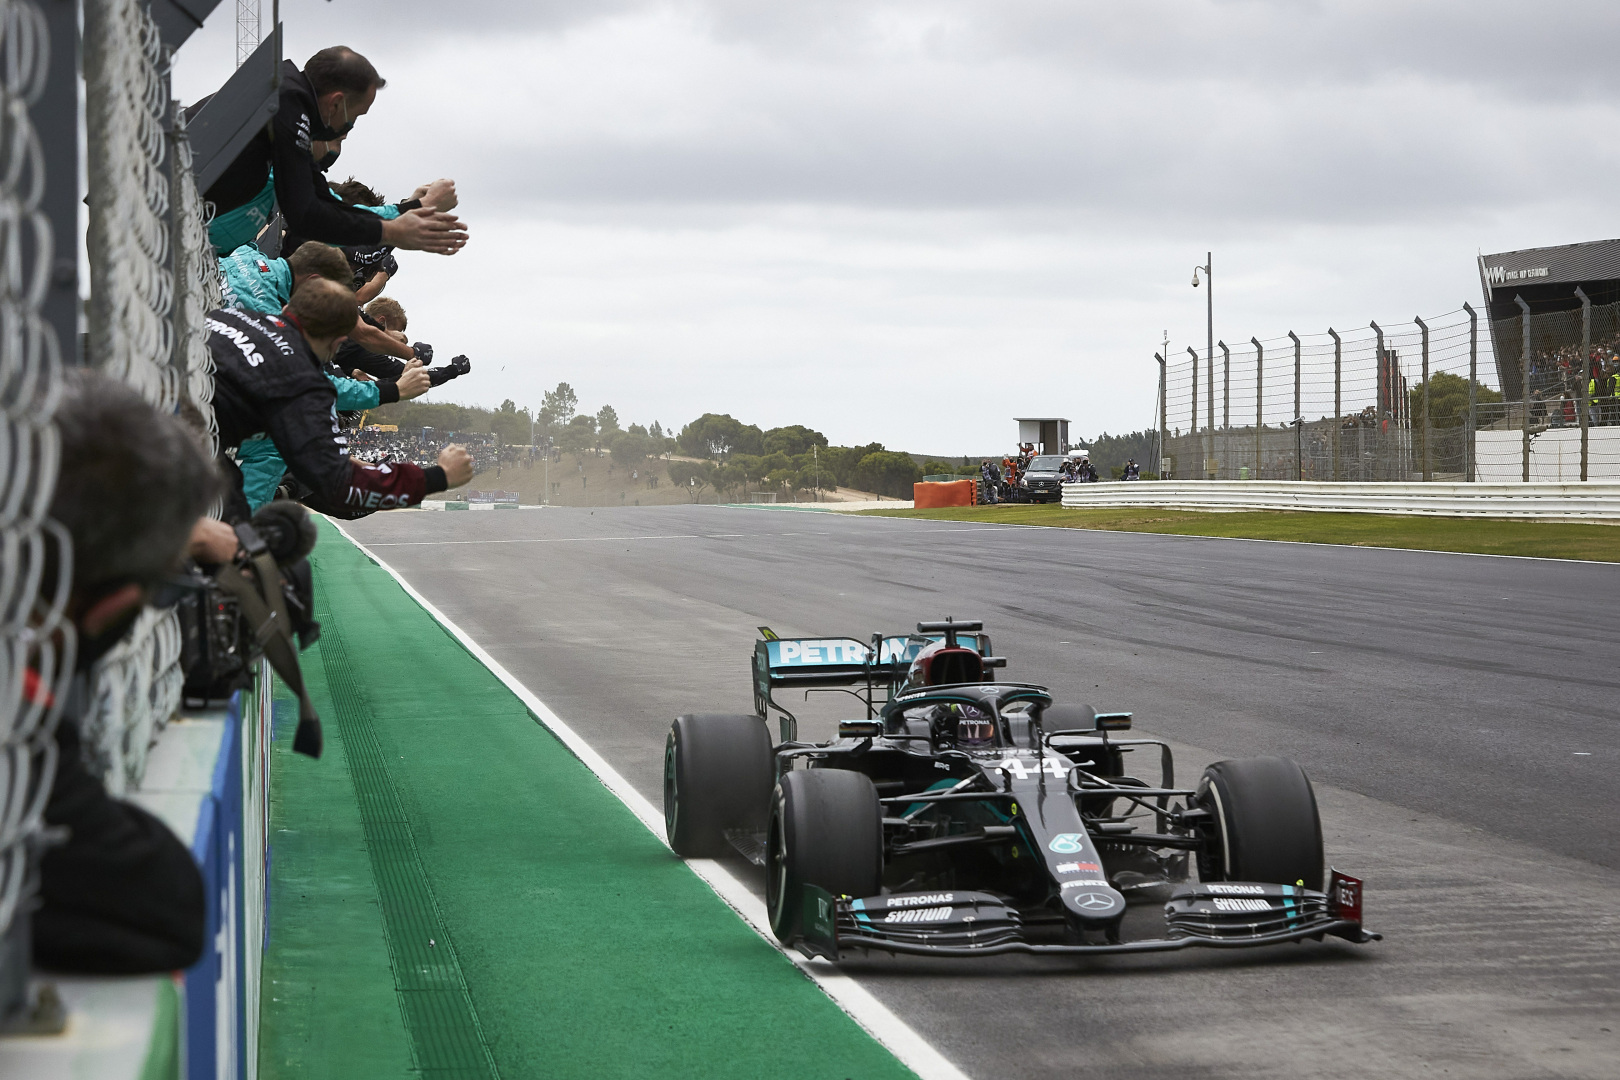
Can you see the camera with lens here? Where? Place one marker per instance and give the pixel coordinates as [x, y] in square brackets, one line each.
[259, 605]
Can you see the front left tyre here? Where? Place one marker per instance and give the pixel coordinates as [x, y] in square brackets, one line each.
[826, 830]
[1263, 823]
[718, 773]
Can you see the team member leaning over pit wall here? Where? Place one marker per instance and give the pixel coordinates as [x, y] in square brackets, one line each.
[269, 377]
[254, 282]
[278, 168]
[376, 266]
[121, 895]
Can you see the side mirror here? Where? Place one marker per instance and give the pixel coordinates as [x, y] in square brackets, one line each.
[1113, 721]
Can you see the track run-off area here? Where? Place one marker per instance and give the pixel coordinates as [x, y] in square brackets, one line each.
[1457, 714]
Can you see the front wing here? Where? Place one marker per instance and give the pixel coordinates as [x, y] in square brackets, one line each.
[1218, 915]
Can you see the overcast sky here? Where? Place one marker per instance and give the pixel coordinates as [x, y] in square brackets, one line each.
[911, 221]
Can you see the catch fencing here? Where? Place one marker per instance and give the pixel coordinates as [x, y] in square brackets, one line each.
[1421, 400]
[36, 641]
[152, 278]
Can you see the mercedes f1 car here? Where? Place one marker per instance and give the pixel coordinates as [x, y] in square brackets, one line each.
[965, 815]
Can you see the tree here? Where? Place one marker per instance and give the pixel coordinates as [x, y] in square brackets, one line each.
[511, 424]
[559, 407]
[1448, 408]
[607, 421]
[1110, 452]
[578, 435]
[656, 431]
[793, 440]
[630, 449]
[728, 477]
[748, 466]
[887, 472]
[1448, 399]
[783, 480]
[692, 476]
[841, 461]
[441, 416]
[719, 435]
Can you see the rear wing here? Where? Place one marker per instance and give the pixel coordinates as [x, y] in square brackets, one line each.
[842, 661]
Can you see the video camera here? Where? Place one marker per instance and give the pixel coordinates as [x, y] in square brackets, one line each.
[255, 606]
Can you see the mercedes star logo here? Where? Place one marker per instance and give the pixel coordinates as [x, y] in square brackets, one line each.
[1095, 901]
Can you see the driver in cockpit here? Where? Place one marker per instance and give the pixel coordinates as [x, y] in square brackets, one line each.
[967, 726]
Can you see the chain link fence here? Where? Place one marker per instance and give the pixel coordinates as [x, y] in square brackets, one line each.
[36, 641]
[152, 278]
[1419, 400]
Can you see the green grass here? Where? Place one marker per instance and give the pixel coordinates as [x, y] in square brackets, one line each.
[1547, 539]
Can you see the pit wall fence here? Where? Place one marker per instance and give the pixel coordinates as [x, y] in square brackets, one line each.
[151, 278]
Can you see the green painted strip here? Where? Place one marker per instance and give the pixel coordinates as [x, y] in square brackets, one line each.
[586, 947]
[328, 1010]
[163, 1055]
[446, 1040]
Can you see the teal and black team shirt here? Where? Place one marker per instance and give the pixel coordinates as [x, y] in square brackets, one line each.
[230, 230]
[253, 282]
[278, 156]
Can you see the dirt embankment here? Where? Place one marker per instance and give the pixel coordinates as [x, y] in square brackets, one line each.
[593, 480]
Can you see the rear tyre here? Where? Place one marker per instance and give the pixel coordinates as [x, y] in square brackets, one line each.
[718, 772]
[826, 830]
[1264, 824]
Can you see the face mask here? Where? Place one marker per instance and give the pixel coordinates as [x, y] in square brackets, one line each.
[348, 125]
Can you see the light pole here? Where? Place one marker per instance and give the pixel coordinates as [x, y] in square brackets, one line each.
[1209, 356]
[1160, 358]
[545, 497]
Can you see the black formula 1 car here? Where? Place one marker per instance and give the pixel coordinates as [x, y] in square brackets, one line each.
[964, 815]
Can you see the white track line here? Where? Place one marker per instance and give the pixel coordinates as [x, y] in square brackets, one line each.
[867, 1011]
[557, 539]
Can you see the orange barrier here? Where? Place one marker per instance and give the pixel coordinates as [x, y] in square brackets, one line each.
[948, 493]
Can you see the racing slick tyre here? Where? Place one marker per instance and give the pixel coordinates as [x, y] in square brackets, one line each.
[1263, 823]
[718, 772]
[826, 830]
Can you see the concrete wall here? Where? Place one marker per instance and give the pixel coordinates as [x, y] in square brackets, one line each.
[1555, 455]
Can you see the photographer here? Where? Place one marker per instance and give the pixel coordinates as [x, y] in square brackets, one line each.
[269, 378]
[278, 167]
[122, 895]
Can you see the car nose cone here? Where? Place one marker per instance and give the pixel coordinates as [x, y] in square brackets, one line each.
[1094, 902]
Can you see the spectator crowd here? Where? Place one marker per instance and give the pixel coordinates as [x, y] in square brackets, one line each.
[309, 337]
[1556, 377]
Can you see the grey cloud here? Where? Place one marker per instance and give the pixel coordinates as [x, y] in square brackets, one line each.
[1154, 112]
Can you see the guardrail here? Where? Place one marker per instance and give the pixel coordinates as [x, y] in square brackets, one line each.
[1581, 502]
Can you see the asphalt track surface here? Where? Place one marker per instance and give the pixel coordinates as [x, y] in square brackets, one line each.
[1458, 714]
